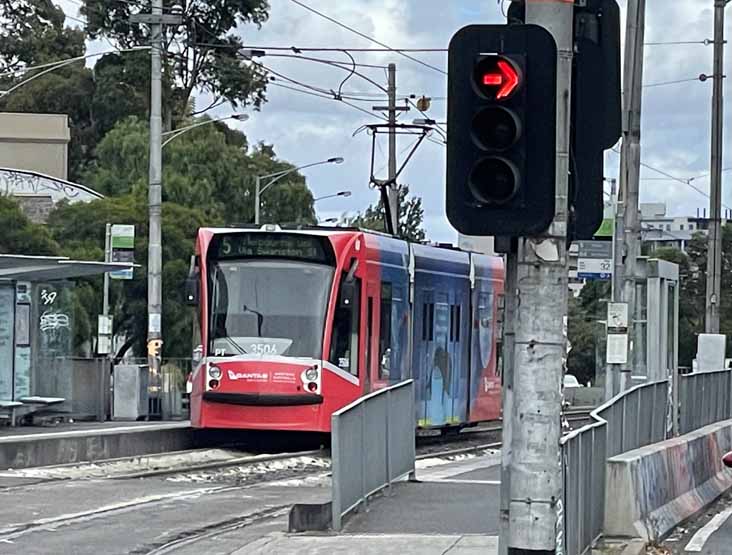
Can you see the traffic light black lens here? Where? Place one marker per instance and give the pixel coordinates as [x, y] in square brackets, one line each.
[494, 181]
[496, 128]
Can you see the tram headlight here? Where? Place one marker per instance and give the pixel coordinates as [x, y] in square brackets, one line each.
[214, 372]
[311, 374]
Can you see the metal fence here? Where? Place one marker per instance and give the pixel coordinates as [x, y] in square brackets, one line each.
[372, 445]
[165, 390]
[704, 398]
[82, 382]
[633, 419]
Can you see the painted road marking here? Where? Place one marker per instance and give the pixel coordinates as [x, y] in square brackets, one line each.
[700, 538]
[459, 481]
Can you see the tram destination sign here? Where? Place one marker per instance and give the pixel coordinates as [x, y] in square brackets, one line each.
[271, 245]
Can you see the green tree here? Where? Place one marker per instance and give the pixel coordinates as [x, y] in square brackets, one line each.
[411, 216]
[20, 235]
[206, 168]
[34, 33]
[585, 332]
[80, 228]
[200, 54]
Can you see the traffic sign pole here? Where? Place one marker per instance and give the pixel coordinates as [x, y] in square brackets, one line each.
[536, 507]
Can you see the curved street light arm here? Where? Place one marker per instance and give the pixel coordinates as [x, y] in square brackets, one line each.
[177, 132]
[64, 63]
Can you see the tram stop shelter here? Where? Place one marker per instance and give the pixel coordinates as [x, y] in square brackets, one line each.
[38, 372]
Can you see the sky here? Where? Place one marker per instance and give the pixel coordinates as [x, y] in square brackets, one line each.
[305, 129]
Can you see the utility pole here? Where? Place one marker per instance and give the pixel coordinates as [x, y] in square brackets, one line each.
[630, 158]
[392, 191]
[535, 519]
[714, 256]
[156, 20]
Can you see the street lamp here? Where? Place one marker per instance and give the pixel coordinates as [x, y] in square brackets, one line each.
[329, 221]
[178, 132]
[338, 194]
[275, 177]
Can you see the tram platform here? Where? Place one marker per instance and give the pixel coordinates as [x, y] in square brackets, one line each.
[76, 442]
[452, 508]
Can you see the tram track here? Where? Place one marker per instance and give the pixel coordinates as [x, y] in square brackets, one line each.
[467, 440]
[229, 484]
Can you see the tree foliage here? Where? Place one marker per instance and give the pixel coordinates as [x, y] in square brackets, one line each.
[204, 168]
[585, 332]
[80, 229]
[411, 216]
[201, 53]
[33, 34]
[20, 235]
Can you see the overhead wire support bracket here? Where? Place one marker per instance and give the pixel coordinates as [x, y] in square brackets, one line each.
[383, 184]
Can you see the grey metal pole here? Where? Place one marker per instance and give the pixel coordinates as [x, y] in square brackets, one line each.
[612, 371]
[257, 193]
[507, 400]
[393, 191]
[714, 257]
[107, 258]
[630, 158]
[154, 264]
[536, 500]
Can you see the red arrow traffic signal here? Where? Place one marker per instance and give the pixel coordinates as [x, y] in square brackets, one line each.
[496, 77]
[506, 78]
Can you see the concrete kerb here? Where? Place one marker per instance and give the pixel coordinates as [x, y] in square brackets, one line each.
[660, 486]
[76, 446]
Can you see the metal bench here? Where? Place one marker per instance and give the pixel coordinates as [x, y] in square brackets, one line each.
[9, 411]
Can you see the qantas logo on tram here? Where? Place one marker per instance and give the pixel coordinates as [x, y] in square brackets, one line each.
[251, 376]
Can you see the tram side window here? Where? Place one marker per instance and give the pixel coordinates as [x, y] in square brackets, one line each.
[428, 322]
[344, 341]
[385, 331]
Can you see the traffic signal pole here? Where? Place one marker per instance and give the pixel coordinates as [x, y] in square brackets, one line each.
[535, 519]
[630, 159]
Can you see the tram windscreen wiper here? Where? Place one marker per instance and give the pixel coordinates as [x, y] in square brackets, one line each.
[260, 318]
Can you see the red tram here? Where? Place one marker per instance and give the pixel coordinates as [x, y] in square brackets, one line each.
[295, 324]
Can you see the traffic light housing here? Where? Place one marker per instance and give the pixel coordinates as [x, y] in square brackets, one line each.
[596, 110]
[596, 107]
[501, 141]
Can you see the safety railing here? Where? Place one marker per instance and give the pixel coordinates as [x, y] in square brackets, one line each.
[372, 445]
[633, 419]
[704, 398]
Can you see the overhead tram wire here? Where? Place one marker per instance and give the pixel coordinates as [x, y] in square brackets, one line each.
[359, 33]
[362, 35]
[315, 91]
[686, 182]
[664, 83]
[334, 49]
[326, 97]
[704, 42]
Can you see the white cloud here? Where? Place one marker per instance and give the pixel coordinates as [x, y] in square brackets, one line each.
[676, 118]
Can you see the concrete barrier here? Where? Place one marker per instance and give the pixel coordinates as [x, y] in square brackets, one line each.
[653, 489]
[74, 446]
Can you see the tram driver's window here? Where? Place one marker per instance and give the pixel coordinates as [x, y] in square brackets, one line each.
[344, 341]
